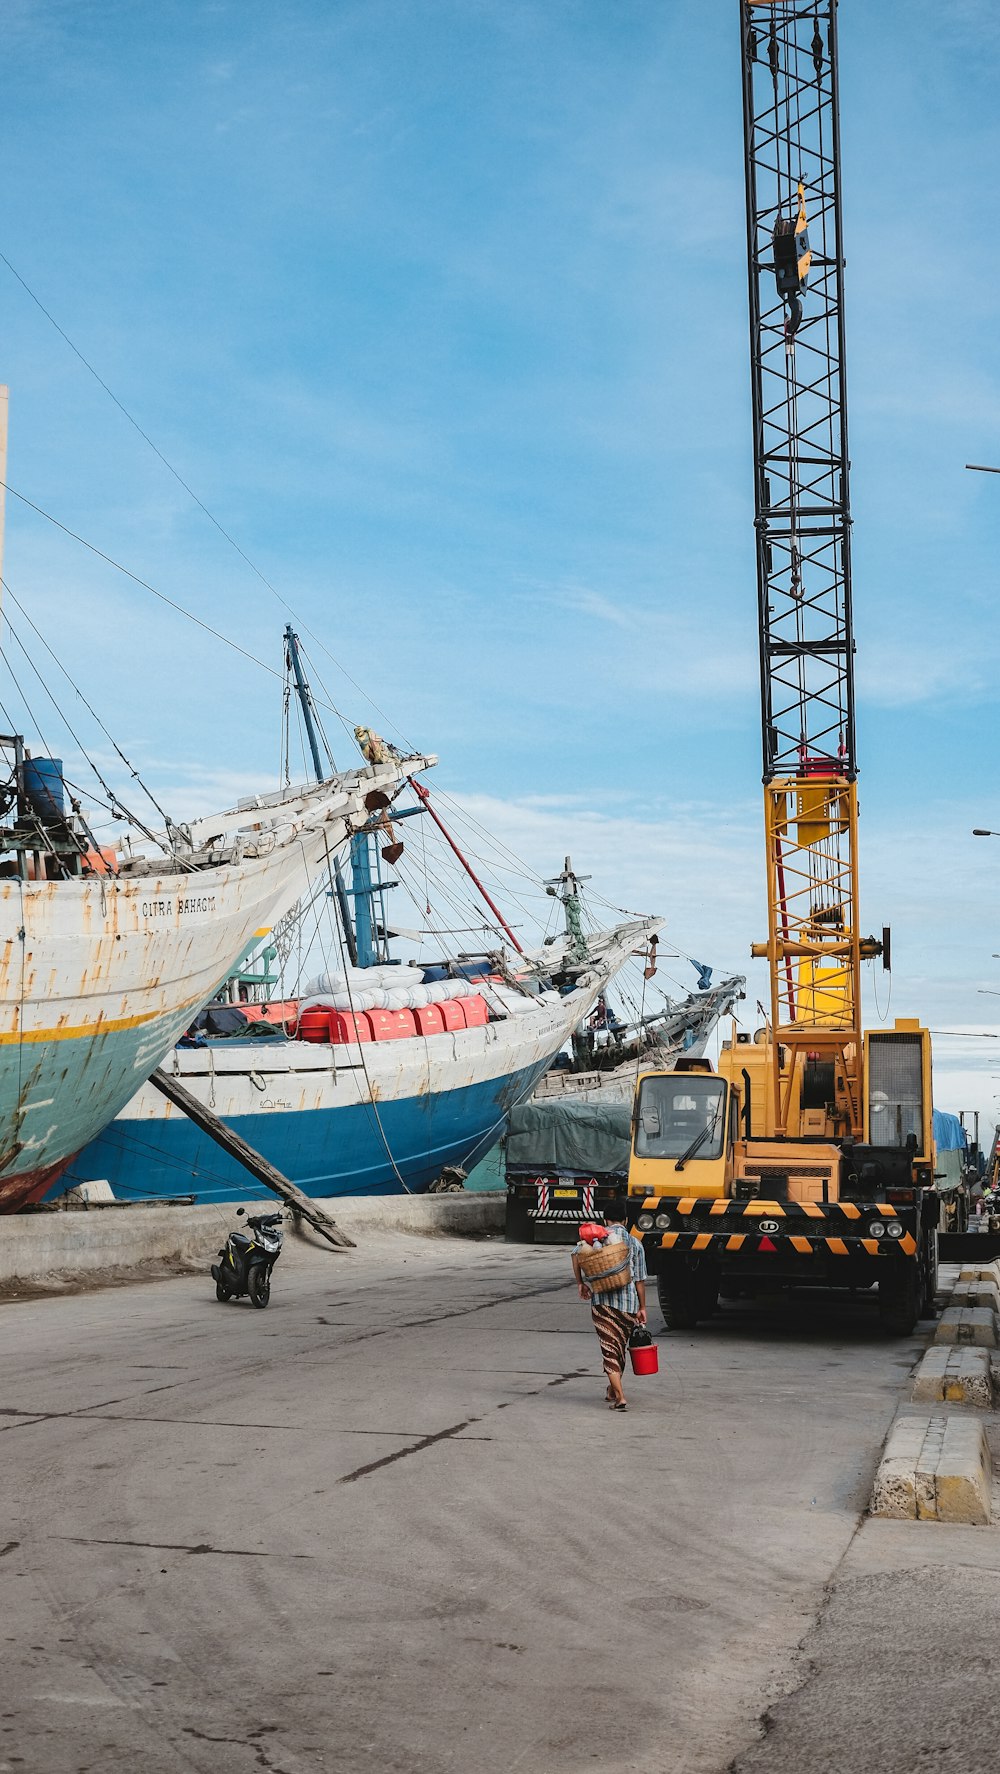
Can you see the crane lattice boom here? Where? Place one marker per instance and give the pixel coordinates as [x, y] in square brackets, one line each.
[802, 516]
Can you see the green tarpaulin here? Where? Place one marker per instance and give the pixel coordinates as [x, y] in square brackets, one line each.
[587, 1137]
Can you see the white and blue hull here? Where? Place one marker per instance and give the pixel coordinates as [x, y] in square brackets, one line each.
[100, 975]
[333, 1150]
[343, 1120]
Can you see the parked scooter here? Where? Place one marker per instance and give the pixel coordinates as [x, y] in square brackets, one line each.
[248, 1259]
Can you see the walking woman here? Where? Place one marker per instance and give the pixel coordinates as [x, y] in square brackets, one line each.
[618, 1309]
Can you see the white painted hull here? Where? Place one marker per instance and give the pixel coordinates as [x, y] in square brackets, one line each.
[346, 1119]
[100, 976]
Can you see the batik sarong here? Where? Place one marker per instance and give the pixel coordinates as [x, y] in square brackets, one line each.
[613, 1329]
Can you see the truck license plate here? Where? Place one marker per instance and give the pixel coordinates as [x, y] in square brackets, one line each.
[571, 1194]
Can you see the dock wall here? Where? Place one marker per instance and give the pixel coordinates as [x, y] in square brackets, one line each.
[77, 1243]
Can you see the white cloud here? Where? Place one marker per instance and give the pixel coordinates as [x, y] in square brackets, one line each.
[701, 866]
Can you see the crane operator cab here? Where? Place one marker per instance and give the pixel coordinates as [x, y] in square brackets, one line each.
[684, 1125]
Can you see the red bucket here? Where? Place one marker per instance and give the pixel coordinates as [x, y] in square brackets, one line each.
[645, 1359]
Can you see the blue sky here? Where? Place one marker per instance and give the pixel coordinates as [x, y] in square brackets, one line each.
[439, 305]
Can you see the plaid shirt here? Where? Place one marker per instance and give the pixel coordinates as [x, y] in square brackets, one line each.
[624, 1299]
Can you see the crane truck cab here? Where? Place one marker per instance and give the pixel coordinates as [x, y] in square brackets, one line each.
[722, 1203]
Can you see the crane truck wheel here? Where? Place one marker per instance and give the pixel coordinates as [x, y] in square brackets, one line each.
[900, 1295]
[678, 1293]
[707, 1288]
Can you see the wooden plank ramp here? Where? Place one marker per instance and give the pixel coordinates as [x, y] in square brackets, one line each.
[251, 1160]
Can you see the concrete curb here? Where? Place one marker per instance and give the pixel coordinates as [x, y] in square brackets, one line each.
[978, 1292]
[981, 1272]
[976, 1325]
[73, 1244]
[934, 1468]
[954, 1376]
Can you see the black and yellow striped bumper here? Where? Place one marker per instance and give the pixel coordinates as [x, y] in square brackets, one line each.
[772, 1228]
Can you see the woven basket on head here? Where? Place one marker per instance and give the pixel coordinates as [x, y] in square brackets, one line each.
[605, 1267]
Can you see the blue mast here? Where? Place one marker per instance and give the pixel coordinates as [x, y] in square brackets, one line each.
[364, 890]
[304, 694]
[351, 936]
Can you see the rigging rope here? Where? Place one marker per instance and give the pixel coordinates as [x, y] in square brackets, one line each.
[179, 478]
[113, 799]
[133, 772]
[144, 583]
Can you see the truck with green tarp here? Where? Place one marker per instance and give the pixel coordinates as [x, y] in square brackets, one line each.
[565, 1162]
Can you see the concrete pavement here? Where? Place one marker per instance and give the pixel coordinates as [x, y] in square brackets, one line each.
[388, 1524]
[900, 1669]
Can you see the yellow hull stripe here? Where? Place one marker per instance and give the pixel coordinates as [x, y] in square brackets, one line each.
[668, 1240]
[909, 1244]
[837, 1246]
[813, 1209]
[702, 1241]
[852, 1211]
[872, 1246]
[112, 1025]
[719, 1207]
[773, 1209]
[802, 1245]
[887, 1212]
[687, 1205]
[737, 1241]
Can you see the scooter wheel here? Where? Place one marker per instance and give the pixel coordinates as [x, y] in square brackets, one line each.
[221, 1292]
[258, 1286]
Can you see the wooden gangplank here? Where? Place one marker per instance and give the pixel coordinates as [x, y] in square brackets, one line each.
[251, 1160]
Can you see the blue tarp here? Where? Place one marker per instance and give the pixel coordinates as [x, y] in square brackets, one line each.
[949, 1134]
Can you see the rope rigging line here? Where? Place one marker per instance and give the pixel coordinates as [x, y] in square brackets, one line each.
[461, 895]
[460, 815]
[179, 478]
[144, 583]
[172, 603]
[371, 1103]
[498, 847]
[133, 772]
[456, 907]
[123, 409]
[114, 801]
[330, 703]
[19, 687]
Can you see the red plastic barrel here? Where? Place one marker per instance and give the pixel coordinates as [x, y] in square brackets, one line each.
[346, 1027]
[391, 1025]
[645, 1360]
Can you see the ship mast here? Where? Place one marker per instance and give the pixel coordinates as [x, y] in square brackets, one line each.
[566, 887]
[304, 695]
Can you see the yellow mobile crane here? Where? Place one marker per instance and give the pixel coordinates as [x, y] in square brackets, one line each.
[808, 1156]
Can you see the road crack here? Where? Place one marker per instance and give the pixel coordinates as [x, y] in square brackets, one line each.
[417, 1447]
